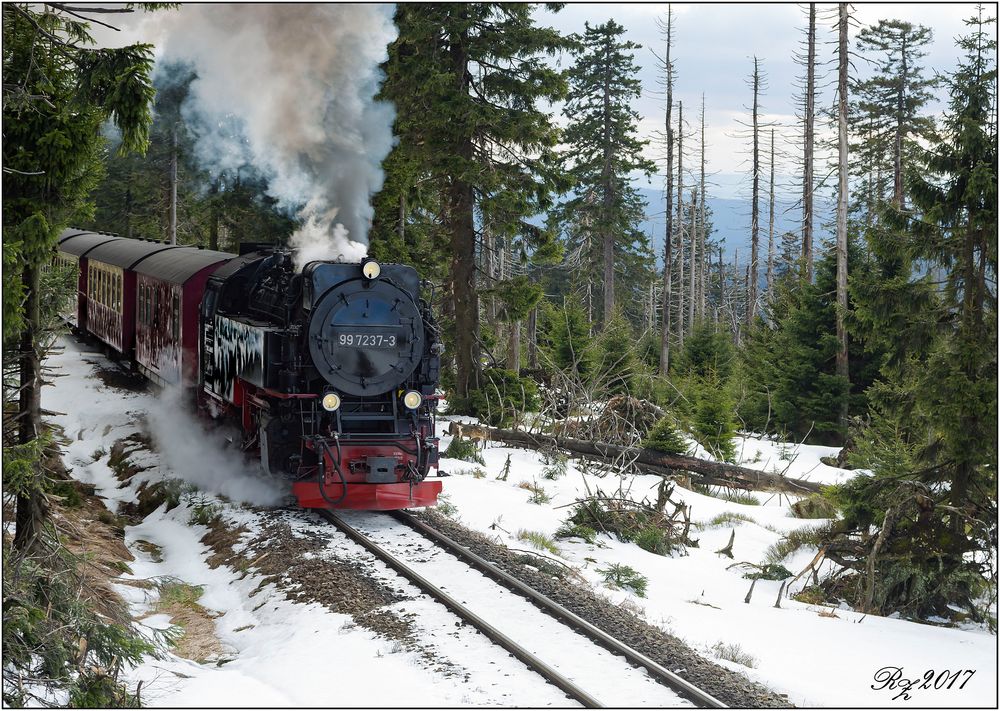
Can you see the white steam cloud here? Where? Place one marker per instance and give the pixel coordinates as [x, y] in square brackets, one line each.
[203, 457]
[300, 80]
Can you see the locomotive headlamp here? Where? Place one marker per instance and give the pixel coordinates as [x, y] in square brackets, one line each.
[371, 269]
[331, 401]
[412, 400]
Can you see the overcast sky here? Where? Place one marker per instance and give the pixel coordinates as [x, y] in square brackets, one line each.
[714, 47]
[713, 54]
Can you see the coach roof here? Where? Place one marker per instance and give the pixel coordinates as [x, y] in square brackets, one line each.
[127, 253]
[79, 243]
[178, 265]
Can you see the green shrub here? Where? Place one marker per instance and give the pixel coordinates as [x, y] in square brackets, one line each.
[812, 595]
[538, 494]
[568, 530]
[794, 540]
[728, 517]
[48, 610]
[769, 571]
[654, 540]
[664, 437]
[557, 468]
[465, 449]
[623, 577]
[204, 511]
[538, 540]
[67, 491]
[814, 506]
[631, 523]
[503, 395]
[445, 507]
[713, 423]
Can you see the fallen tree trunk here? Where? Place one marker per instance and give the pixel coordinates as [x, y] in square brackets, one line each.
[660, 463]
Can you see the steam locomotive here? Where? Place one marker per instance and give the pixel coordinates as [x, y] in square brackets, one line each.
[330, 372]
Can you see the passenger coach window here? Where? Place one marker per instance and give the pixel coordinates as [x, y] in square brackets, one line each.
[175, 317]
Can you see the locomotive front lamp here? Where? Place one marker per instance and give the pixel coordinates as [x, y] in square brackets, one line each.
[412, 400]
[371, 269]
[331, 401]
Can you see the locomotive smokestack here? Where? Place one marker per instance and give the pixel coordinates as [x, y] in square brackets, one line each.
[290, 89]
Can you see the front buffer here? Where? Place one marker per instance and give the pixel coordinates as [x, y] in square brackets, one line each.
[369, 477]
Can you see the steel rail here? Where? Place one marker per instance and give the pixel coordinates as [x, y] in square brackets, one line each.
[671, 679]
[492, 633]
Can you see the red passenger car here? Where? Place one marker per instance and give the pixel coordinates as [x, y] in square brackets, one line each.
[169, 287]
[111, 292]
[75, 246]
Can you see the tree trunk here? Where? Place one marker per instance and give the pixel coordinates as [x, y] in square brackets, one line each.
[30, 514]
[770, 226]
[702, 229]
[607, 236]
[680, 223]
[463, 247]
[213, 216]
[514, 347]
[754, 199]
[533, 339]
[694, 257]
[808, 140]
[843, 60]
[466, 297]
[716, 473]
[667, 242]
[897, 178]
[173, 186]
[490, 270]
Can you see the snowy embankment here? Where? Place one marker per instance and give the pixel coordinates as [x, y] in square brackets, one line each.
[270, 651]
[817, 655]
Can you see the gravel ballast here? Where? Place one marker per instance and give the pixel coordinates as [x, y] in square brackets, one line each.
[729, 687]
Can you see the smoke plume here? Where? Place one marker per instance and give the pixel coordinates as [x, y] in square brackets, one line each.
[298, 81]
[214, 465]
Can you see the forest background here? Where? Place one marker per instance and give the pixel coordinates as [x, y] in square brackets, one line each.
[855, 306]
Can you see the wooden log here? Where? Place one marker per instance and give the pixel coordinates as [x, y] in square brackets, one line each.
[660, 463]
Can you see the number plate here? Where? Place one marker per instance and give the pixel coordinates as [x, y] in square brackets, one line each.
[366, 338]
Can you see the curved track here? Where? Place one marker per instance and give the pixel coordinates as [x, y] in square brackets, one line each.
[681, 687]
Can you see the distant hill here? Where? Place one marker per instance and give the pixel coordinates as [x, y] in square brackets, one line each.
[731, 220]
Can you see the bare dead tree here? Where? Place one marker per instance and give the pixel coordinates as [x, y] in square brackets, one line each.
[666, 31]
[680, 222]
[701, 220]
[770, 226]
[755, 196]
[809, 137]
[842, 77]
[692, 296]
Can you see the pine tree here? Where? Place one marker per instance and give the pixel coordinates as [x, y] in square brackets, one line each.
[889, 104]
[604, 148]
[57, 95]
[939, 376]
[465, 79]
[788, 371]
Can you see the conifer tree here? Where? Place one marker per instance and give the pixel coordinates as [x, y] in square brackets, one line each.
[57, 94]
[890, 103]
[604, 147]
[465, 79]
[939, 377]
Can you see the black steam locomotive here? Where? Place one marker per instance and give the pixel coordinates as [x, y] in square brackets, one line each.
[330, 372]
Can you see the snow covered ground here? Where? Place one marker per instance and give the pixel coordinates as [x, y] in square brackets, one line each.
[816, 658]
[280, 653]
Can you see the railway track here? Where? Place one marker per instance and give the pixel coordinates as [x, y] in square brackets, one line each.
[553, 672]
